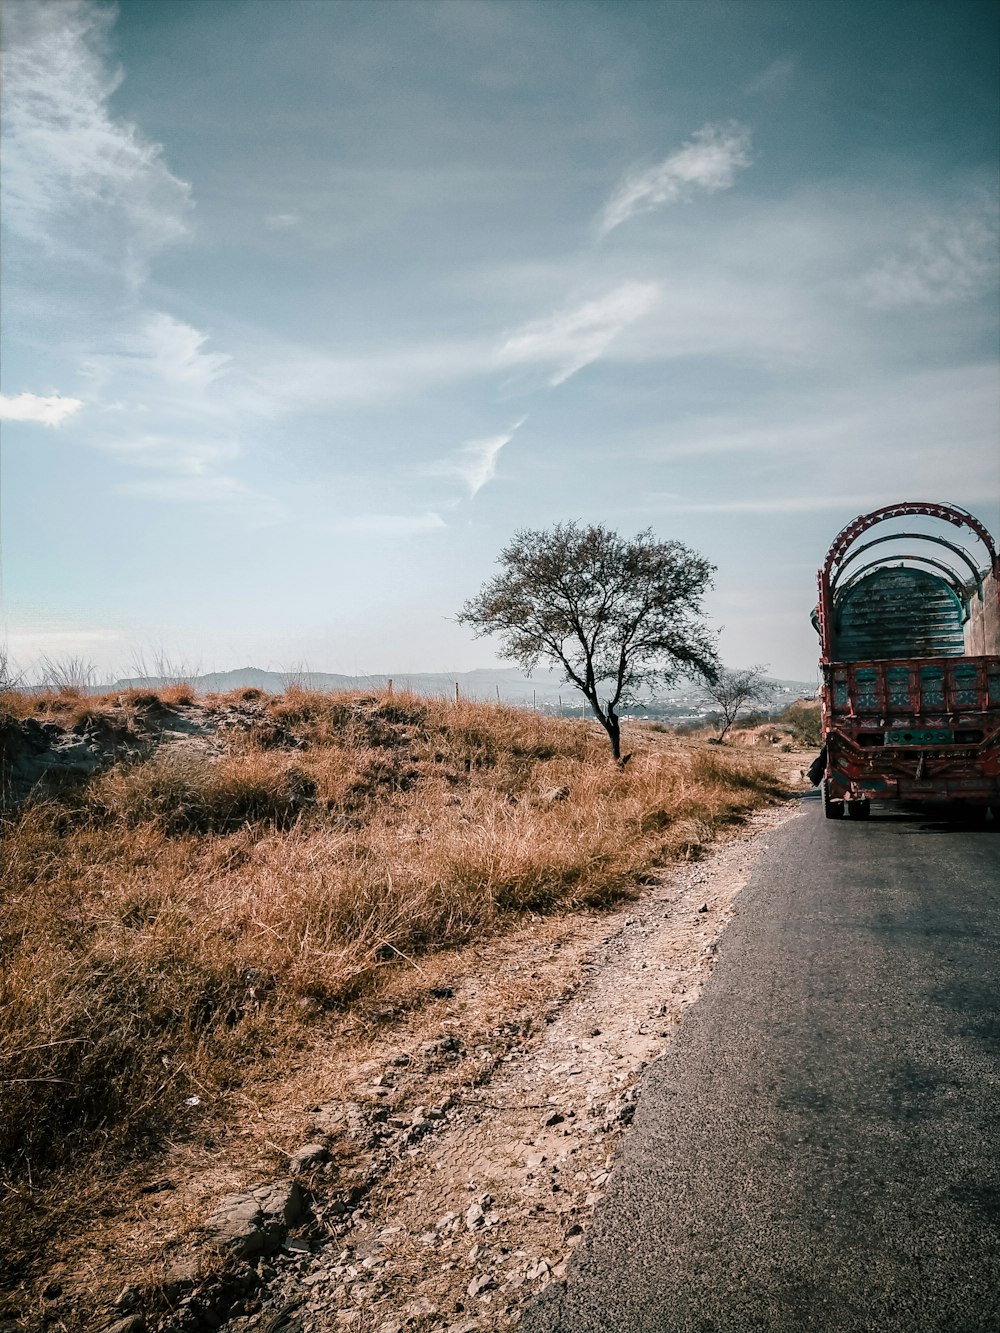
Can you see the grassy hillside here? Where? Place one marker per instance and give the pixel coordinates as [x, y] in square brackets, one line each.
[176, 923]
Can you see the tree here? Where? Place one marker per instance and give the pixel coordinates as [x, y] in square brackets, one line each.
[615, 615]
[733, 691]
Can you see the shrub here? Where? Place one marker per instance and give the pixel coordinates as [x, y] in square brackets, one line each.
[804, 718]
[183, 791]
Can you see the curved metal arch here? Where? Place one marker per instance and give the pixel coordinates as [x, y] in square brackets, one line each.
[952, 580]
[917, 536]
[959, 518]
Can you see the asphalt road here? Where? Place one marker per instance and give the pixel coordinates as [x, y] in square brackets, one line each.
[820, 1148]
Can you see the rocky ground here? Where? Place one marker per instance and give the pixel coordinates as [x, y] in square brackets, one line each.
[48, 754]
[430, 1164]
[476, 1169]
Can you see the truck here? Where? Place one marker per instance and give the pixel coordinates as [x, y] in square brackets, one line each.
[910, 663]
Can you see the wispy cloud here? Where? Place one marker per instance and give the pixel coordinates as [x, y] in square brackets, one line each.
[948, 260]
[708, 162]
[281, 221]
[164, 360]
[390, 525]
[51, 411]
[475, 462]
[292, 377]
[790, 454]
[90, 189]
[76, 177]
[158, 406]
[789, 504]
[853, 423]
[206, 489]
[174, 349]
[176, 453]
[574, 338]
[773, 79]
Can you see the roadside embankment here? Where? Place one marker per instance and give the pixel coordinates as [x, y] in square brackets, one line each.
[227, 894]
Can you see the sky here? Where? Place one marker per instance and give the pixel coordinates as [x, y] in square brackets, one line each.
[310, 304]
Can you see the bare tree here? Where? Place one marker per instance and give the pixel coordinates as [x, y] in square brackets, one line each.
[615, 615]
[733, 692]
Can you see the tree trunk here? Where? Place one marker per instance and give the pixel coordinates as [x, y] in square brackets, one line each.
[614, 732]
[609, 721]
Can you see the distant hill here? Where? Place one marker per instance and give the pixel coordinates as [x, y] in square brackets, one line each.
[512, 685]
[545, 689]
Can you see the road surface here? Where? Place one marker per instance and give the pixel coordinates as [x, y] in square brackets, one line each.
[820, 1148]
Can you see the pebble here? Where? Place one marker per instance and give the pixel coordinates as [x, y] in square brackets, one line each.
[421, 1308]
[133, 1323]
[480, 1284]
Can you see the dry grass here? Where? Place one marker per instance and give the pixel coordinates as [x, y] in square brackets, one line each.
[175, 926]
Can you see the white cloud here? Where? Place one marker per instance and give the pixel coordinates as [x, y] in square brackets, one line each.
[574, 338]
[708, 161]
[174, 351]
[159, 408]
[948, 260]
[51, 411]
[774, 78]
[390, 525]
[164, 364]
[281, 221]
[93, 191]
[76, 177]
[476, 461]
[176, 453]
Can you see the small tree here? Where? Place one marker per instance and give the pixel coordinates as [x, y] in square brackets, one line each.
[733, 691]
[615, 615]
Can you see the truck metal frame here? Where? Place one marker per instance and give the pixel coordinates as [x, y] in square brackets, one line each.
[915, 717]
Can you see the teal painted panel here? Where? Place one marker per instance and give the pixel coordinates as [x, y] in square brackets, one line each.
[898, 612]
[922, 736]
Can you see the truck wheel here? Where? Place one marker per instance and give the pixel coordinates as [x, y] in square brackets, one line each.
[971, 815]
[859, 809]
[832, 809]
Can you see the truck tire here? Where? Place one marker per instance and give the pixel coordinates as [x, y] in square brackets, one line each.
[832, 809]
[970, 816]
[859, 809]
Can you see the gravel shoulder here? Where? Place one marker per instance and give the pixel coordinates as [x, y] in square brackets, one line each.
[487, 1157]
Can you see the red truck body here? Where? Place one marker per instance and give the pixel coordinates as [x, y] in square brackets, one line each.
[910, 662]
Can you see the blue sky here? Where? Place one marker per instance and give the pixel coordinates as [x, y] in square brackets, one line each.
[309, 305]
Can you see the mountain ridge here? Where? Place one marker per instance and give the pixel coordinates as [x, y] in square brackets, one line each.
[507, 684]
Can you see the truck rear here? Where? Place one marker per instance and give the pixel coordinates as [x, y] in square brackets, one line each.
[909, 626]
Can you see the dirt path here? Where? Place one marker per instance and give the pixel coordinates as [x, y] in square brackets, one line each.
[485, 1183]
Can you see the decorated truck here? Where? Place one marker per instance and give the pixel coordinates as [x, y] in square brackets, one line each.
[909, 627]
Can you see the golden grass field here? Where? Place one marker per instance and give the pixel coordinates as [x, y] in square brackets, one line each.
[175, 926]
